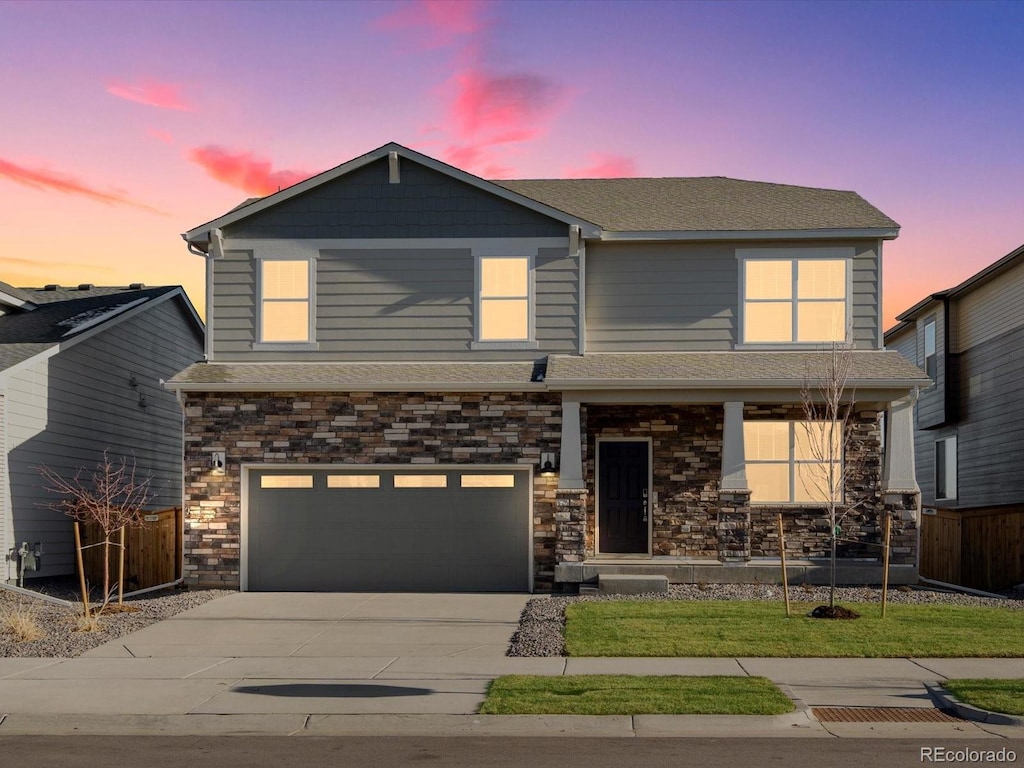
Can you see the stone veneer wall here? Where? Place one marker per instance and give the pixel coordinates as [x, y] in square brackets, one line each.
[354, 428]
[687, 449]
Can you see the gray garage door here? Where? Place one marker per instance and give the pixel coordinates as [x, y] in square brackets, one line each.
[415, 529]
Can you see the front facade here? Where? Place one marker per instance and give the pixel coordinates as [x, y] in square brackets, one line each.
[416, 379]
[81, 373]
[969, 425]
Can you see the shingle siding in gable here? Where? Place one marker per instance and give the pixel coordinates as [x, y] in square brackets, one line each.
[363, 204]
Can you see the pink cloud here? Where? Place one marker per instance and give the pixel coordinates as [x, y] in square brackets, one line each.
[244, 170]
[151, 93]
[603, 166]
[48, 181]
[444, 20]
[163, 136]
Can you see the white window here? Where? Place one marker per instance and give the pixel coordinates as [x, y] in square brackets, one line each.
[504, 299]
[945, 469]
[488, 481]
[931, 361]
[286, 481]
[353, 481]
[284, 300]
[421, 481]
[793, 462]
[794, 300]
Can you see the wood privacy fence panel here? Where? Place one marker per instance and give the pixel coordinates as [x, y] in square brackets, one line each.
[979, 548]
[152, 552]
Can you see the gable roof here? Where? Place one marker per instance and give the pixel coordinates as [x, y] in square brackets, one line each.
[707, 204]
[633, 206]
[978, 279]
[63, 315]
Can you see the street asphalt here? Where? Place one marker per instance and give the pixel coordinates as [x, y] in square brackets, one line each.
[371, 664]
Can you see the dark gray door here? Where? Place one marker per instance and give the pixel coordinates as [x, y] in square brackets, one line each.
[418, 530]
[622, 489]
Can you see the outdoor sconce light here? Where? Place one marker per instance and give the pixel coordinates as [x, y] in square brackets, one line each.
[547, 465]
[217, 461]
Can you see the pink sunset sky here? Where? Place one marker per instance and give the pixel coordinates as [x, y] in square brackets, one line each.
[124, 124]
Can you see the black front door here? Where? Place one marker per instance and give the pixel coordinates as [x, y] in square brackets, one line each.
[622, 502]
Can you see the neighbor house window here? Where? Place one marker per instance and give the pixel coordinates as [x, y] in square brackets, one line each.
[284, 301]
[794, 300]
[931, 361]
[504, 299]
[792, 462]
[945, 468]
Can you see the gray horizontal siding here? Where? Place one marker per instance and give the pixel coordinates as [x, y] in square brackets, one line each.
[397, 304]
[992, 309]
[662, 297]
[363, 204]
[64, 411]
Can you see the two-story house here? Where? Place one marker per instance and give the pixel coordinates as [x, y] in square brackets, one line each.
[418, 379]
[969, 425]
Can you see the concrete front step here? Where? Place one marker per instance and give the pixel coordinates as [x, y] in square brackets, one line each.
[627, 584]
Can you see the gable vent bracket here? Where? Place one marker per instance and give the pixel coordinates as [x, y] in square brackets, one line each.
[394, 176]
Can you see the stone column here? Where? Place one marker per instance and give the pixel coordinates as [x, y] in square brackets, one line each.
[570, 525]
[733, 527]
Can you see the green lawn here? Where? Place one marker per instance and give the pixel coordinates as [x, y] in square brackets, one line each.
[734, 628]
[994, 695]
[633, 695]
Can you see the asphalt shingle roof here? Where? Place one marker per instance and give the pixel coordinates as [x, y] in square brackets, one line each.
[58, 312]
[711, 368]
[704, 204]
[358, 376]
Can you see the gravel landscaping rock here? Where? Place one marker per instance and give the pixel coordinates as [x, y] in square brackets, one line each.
[57, 623]
[543, 619]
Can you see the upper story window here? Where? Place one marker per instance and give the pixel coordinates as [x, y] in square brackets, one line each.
[797, 300]
[931, 360]
[504, 298]
[793, 462]
[284, 301]
[945, 469]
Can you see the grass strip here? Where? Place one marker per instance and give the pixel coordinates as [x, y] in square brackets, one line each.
[737, 628]
[633, 695]
[1006, 696]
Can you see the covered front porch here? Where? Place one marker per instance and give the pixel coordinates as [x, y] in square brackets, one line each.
[655, 481]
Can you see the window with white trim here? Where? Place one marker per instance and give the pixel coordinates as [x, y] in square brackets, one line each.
[284, 300]
[793, 462]
[931, 360]
[945, 469]
[794, 300]
[504, 299]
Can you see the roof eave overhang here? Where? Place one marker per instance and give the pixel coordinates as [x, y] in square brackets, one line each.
[752, 234]
[365, 386]
[200, 236]
[585, 384]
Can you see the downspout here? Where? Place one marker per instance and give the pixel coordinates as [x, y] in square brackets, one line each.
[216, 251]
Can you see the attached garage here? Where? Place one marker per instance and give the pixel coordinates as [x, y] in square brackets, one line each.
[412, 528]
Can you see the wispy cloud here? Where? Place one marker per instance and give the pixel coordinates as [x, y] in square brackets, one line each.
[159, 135]
[35, 263]
[49, 181]
[244, 170]
[151, 93]
[442, 20]
[603, 166]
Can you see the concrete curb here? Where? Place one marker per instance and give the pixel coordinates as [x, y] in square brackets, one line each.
[950, 703]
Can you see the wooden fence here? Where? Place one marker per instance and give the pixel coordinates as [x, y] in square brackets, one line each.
[979, 548]
[152, 552]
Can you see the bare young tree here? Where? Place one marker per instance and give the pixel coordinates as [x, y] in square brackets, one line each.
[110, 497]
[828, 405]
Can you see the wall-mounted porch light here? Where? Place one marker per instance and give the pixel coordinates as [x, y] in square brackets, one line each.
[547, 465]
[217, 462]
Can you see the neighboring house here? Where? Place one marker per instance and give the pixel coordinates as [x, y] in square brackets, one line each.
[420, 379]
[81, 371]
[969, 424]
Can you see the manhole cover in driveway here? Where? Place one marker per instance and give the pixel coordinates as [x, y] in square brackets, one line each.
[881, 715]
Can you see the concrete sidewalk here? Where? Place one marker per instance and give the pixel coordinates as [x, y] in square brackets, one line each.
[414, 664]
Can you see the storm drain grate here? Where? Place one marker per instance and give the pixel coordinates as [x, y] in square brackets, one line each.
[881, 715]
